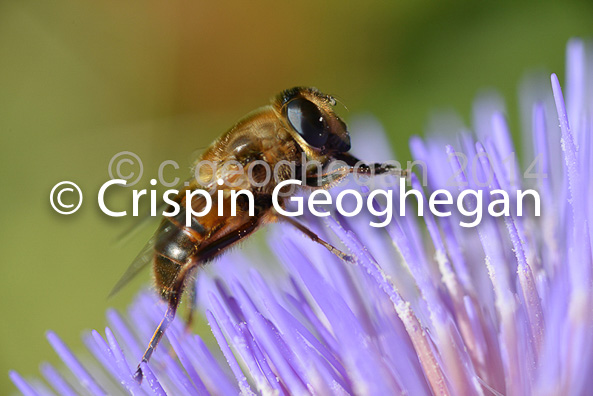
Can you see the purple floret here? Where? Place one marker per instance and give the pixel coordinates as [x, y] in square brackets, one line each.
[428, 307]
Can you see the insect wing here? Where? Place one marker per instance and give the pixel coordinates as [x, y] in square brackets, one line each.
[142, 259]
[145, 218]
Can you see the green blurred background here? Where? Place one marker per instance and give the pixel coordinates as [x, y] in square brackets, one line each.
[81, 81]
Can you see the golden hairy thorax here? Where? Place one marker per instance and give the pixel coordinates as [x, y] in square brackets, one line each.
[262, 136]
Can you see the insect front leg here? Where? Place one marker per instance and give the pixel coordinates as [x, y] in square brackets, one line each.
[361, 168]
[327, 180]
[352, 165]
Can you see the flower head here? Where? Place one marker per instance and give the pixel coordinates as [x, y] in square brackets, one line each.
[429, 306]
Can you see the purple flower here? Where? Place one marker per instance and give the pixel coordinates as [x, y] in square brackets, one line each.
[429, 307]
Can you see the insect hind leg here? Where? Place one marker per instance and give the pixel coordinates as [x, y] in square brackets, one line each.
[192, 301]
[156, 338]
[173, 296]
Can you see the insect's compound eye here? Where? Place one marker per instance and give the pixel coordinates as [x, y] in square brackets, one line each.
[305, 117]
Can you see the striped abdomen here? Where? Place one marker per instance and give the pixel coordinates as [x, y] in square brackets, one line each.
[175, 247]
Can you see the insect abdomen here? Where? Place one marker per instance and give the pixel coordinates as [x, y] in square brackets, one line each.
[174, 248]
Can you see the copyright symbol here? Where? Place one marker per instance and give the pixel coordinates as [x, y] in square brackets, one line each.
[125, 157]
[56, 195]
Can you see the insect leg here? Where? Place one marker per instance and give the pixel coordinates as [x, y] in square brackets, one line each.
[206, 254]
[156, 338]
[354, 166]
[160, 330]
[328, 179]
[315, 238]
[361, 168]
[192, 303]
